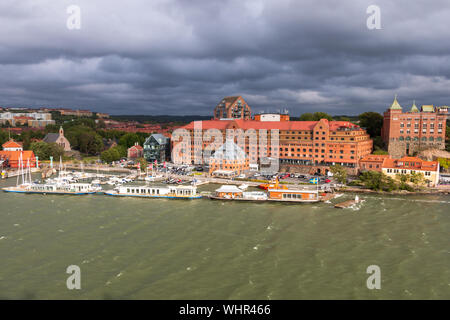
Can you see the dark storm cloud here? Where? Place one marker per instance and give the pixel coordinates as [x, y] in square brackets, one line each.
[182, 57]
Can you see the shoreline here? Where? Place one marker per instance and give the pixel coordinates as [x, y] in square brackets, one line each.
[402, 192]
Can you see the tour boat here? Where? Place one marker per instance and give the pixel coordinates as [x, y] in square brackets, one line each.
[55, 188]
[282, 193]
[232, 192]
[274, 193]
[293, 195]
[171, 192]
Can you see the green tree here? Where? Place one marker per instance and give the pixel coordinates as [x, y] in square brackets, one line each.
[44, 150]
[372, 122]
[129, 139]
[306, 117]
[316, 116]
[322, 115]
[377, 181]
[105, 156]
[143, 163]
[380, 152]
[417, 178]
[444, 163]
[339, 173]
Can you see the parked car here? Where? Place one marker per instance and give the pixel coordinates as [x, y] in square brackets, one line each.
[241, 176]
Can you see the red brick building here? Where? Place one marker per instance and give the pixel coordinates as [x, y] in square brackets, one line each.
[373, 162]
[408, 132]
[135, 152]
[232, 108]
[317, 144]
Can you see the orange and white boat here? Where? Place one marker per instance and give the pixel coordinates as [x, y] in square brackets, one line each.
[282, 193]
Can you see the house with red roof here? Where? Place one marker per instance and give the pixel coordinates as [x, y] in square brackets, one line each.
[11, 145]
[373, 162]
[409, 165]
[135, 152]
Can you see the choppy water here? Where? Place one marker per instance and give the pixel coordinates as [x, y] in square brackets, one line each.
[130, 248]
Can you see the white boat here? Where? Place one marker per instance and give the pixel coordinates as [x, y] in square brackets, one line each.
[232, 192]
[153, 177]
[243, 186]
[55, 188]
[170, 192]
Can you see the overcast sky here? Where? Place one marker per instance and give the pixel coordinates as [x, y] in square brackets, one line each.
[182, 57]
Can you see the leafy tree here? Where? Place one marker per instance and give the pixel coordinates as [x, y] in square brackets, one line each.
[113, 154]
[372, 121]
[377, 181]
[129, 139]
[380, 152]
[322, 115]
[316, 116]
[417, 178]
[84, 139]
[44, 150]
[378, 143]
[444, 162]
[3, 137]
[342, 118]
[143, 163]
[339, 173]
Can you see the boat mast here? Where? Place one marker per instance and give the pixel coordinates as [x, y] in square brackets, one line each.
[18, 169]
[28, 171]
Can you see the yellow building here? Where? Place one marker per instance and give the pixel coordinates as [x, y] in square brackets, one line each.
[409, 165]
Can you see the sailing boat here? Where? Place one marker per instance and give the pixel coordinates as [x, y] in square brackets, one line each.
[59, 187]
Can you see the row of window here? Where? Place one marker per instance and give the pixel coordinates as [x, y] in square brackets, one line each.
[404, 171]
[401, 138]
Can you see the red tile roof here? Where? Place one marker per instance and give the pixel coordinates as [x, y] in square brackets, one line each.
[136, 147]
[413, 163]
[253, 124]
[11, 144]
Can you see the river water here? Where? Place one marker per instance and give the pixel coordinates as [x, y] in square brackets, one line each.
[129, 248]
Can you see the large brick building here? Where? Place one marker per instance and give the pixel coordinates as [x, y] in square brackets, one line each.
[312, 144]
[406, 133]
[232, 108]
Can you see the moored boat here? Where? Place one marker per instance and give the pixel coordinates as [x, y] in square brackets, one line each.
[54, 188]
[170, 192]
[231, 192]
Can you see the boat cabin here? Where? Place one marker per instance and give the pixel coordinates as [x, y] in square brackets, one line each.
[181, 191]
[229, 192]
[293, 195]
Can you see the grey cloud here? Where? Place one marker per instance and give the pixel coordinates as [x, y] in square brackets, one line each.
[181, 57]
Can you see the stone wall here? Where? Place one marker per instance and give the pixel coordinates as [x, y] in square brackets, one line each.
[305, 169]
